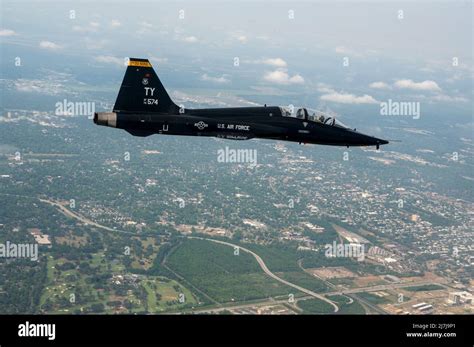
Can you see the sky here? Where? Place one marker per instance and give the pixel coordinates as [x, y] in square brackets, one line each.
[323, 53]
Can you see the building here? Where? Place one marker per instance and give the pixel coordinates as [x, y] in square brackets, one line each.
[458, 298]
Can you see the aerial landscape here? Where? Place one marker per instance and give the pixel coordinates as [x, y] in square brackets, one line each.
[94, 220]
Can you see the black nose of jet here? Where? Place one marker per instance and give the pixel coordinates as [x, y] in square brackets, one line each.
[355, 138]
[379, 142]
[366, 140]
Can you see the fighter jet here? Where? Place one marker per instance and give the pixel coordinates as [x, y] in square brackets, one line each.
[143, 107]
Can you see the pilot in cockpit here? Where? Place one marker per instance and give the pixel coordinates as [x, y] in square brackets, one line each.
[302, 113]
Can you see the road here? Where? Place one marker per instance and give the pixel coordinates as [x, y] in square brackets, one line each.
[264, 267]
[260, 262]
[253, 304]
[83, 219]
[383, 287]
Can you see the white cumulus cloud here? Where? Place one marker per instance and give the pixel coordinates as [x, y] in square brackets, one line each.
[158, 60]
[380, 85]
[49, 45]
[239, 36]
[221, 79]
[108, 59]
[278, 62]
[447, 98]
[190, 39]
[351, 52]
[7, 32]
[83, 29]
[91, 27]
[410, 84]
[344, 50]
[282, 77]
[242, 38]
[115, 23]
[346, 98]
[324, 88]
[144, 28]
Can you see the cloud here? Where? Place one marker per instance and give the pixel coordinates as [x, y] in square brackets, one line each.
[221, 79]
[277, 62]
[447, 98]
[190, 39]
[49, 45]
[379, 85]
[344, 50]
[94, 44]
[345, 98]
[158, 60]
[108, 59]
[239, 36]
[280, 76]
[242, 38]
[324, 88]
[7, 32]
[220, 100]
[410, 84]
[82, 29]
[92, 27]
[145, 27]
[114, 23]
[348, 51]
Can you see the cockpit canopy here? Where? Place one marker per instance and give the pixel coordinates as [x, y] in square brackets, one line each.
[310, 115]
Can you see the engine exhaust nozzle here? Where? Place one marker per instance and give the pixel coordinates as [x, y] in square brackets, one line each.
[108, 119]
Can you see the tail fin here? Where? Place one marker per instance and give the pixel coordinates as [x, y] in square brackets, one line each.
[142, 91]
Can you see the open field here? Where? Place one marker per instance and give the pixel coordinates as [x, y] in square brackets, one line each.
[225, 277]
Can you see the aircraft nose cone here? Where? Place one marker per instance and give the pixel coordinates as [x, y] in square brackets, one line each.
[366, 140]
[371, 140]
[377, 142]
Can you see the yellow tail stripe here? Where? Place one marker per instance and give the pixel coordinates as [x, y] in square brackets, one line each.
[139, 63]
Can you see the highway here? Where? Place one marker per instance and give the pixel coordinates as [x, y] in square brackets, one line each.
[271, 274]
[383, 287]
[261, 263]
[81, 218]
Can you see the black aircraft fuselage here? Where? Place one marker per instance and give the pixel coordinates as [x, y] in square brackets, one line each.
[143, 108]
